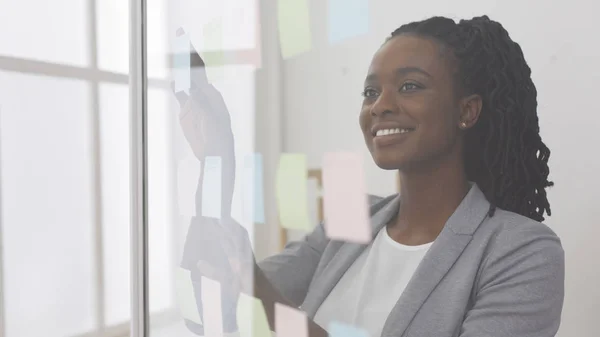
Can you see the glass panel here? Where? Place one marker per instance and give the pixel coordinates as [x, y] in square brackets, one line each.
[47, 201]
[114, 147]
[174, 167]
[51, 31]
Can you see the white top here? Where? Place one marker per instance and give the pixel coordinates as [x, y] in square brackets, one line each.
[367, 292]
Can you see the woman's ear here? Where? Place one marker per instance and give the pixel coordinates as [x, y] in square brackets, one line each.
[470, 109]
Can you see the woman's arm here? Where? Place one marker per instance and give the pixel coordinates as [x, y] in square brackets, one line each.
[207, 127]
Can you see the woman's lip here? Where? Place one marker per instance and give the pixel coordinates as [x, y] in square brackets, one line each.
[392, 139]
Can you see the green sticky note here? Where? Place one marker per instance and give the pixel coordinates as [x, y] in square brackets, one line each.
[251, 317]
[214, 56]
[294, 27]
[186, 300]
[292, 192]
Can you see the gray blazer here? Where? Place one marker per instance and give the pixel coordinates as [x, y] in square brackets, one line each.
[500, 276]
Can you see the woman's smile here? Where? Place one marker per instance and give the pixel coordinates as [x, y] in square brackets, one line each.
[389, 137]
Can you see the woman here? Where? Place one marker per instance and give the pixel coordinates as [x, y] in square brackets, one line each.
[461, 250]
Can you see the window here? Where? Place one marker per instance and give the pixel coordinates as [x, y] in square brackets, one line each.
[65, 158]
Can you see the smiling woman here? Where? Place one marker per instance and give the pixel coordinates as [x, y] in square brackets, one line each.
[460, 251]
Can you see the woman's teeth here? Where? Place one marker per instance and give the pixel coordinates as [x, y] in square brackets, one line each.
[391, 131]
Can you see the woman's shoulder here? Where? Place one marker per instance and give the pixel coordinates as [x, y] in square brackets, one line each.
[508, 231]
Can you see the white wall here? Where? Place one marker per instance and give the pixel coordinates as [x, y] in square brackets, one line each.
[559, 39]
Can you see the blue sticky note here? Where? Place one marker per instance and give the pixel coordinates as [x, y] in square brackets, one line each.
[211, 187]
[254, 208]
[181, 62]
[337, 329]
[347, 19]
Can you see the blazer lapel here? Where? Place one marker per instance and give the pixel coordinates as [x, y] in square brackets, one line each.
[342, 260]
[442, 255]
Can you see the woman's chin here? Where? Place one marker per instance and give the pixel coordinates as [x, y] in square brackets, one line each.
[387, 163]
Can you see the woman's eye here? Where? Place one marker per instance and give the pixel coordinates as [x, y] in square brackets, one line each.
[369, 93]
[409, 86]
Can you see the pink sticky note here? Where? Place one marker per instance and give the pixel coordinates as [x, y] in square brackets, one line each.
[345, 198]
[211, 307]
[290, 322]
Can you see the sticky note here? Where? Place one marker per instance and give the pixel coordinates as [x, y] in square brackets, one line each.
[214, 57]
[337, 329]
[211, 187]
[188, 175]
[294, 27]
[181, 63]
[251, 317]
[240, 17]
[211, 307]
[244, 47]
[344, 198]
[253, 203]
[292, 192]
[347, 19]
[186, 299]
[290, 322]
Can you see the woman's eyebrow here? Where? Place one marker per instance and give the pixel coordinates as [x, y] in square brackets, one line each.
[400, 72]
[407, 70]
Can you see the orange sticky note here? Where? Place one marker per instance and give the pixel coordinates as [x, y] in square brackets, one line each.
[211, 307]
[290, 322]
[345, 199]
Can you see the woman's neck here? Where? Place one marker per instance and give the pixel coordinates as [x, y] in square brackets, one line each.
[428, 199]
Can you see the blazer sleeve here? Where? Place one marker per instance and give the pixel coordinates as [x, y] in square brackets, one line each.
[521, 288]
[291, 270]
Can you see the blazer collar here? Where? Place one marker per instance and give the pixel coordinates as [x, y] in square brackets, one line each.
[446, 249]
[436, 263]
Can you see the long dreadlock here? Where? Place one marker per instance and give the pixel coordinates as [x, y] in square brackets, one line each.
[504, 153]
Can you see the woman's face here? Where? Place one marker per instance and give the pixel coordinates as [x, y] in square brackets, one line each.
[410, 115]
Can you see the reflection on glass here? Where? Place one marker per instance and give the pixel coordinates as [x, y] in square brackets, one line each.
[176, 166]
[48, 242]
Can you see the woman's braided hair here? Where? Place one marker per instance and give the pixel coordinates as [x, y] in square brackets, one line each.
[504, 153]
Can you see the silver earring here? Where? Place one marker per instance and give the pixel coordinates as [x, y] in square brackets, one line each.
[463, 124]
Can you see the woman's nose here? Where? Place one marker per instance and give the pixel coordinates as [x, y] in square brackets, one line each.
[385, 104]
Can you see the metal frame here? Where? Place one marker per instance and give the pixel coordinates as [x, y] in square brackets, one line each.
[138, 85]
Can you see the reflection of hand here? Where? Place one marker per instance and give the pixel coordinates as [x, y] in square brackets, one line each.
[205, 121]
[234, 267]
[206, 125]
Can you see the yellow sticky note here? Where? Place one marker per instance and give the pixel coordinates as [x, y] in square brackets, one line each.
[186, 300]
[292, 192]
[211, 307]
[251, 317]
[294, 27]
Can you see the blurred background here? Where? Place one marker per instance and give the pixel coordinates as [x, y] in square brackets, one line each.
[65, 192]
